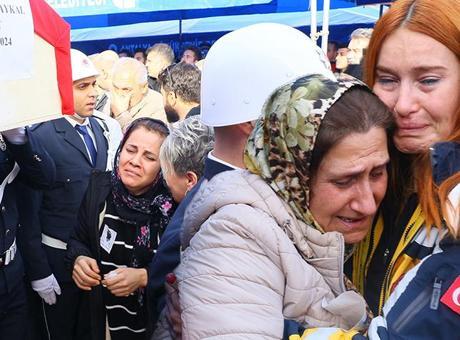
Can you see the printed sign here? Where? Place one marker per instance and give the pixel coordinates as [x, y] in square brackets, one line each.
[16, 40]
[68, 8]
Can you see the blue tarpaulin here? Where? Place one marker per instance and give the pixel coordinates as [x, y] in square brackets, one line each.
[131, 24]
[68, 8]
[103, 13]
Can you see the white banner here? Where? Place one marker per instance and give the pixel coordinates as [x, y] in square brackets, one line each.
[16, 40]
[32, 100]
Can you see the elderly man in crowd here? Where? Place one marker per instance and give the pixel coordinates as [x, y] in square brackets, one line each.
[131, 97]
[180, 87]
[159, 56]
[104, 62]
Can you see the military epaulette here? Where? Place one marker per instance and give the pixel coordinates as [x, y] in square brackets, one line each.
[33, 127]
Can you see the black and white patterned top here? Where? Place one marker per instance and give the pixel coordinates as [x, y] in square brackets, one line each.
[126, 316]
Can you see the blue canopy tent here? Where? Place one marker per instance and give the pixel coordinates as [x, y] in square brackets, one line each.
[132, 24]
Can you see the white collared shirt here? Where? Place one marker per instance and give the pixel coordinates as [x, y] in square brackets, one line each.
[214, 158]
[86, 123]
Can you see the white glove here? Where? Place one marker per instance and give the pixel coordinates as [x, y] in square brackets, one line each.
[47, 288]
[16, 136]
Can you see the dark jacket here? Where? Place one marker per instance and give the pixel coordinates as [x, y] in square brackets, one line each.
[194, 112]
[419, 307]
[38, 170]
[153, 84]
[54, 211]
[84, 241]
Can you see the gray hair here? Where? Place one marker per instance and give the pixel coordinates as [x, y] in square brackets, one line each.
[362, 33]
[186, 147]
[135, 66]
[163, 50]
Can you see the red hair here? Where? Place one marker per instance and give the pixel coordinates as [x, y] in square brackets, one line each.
[433, 199]
[439, 20]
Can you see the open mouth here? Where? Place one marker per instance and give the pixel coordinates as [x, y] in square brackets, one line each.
[352, 222]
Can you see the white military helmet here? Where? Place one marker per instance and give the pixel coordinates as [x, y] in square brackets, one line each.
[82, 66]
[245, 66]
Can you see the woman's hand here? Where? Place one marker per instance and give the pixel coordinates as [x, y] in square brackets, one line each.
[86, 272]
[124, 281]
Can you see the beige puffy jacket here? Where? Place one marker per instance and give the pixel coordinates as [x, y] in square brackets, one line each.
[241, 275]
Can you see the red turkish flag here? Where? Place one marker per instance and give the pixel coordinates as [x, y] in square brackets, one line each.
[451, 297]
[53, 29]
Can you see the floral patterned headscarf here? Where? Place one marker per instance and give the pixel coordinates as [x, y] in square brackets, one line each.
[281, 145]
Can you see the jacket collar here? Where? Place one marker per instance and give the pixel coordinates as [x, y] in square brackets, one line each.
[71, 136]
[213, 167]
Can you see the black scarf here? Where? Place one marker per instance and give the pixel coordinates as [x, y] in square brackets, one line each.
[149, 212]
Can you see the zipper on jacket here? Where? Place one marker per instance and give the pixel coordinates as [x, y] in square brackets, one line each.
[436, 294]
[386, 277]
[341, 243]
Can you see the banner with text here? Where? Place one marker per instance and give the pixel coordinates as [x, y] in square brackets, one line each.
[35, 74]
[68, 8]
[16, 40]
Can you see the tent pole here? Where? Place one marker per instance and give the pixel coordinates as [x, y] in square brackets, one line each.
[325, 30]
[313, 23]
[180, 32]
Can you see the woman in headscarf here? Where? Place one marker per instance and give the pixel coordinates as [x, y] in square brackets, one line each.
[260, 248]
[121, 219]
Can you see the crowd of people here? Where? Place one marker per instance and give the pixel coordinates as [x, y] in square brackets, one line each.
[258, 193]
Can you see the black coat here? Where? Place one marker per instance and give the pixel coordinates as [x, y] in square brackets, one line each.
[84, 241]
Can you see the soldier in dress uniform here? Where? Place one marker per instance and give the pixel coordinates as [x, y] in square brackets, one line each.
[21, 159]
[78, 146]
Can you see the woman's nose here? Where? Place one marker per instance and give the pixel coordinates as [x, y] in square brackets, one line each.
[135, 160]
[364, 201]
[406, 101]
